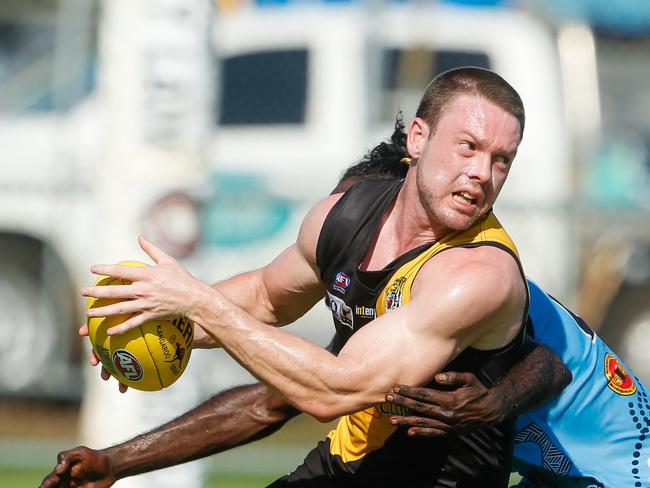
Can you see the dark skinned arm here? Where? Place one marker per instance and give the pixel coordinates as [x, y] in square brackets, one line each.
[229, 419]
[533, 381]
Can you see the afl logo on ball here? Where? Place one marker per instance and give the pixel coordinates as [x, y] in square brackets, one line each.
[618, 379]
[127, 365]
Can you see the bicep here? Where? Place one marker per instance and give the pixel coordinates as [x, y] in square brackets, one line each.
[411, 344]
[398, 347]
[278, 293]
[290, 285]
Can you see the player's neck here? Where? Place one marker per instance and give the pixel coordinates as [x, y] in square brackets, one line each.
[401, 229]
[410, 221]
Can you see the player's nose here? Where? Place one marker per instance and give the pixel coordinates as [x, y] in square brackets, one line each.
[480, 168]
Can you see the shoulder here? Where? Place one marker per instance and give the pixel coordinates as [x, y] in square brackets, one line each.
[483, 276]
[472, 259]
[476, 295]
[313, 223]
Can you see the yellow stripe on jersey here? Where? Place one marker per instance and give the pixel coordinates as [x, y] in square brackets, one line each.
[362, 432]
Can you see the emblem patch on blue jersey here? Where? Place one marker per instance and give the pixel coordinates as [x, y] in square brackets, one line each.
[341, 282]
[618, 379]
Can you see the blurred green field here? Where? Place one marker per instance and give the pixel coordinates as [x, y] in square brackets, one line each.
[239, 481]
[32, 434]
[24, 463]
[20, 477]
[31, 477]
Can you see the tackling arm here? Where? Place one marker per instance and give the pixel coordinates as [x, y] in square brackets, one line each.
[443, 318]
[535, 380]
[464, 404]
[227, 420]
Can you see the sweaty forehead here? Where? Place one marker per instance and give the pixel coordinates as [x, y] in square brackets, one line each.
[482, 119]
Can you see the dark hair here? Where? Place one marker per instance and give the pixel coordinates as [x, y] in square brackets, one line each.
[383, 162]
[444, 88]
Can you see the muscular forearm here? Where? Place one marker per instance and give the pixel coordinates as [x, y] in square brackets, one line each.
[256, 293]
[326, 386]
[535, 380]
[247, 292]
[308, 376]
[229, 419]
[242, 290]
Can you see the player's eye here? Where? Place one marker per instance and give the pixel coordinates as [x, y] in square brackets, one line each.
[467, 146]
[501, 160]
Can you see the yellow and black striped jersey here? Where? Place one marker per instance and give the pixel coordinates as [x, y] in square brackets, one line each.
[365, 449]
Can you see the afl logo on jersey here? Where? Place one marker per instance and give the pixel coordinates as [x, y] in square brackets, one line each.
[341, 282]
[618, 379]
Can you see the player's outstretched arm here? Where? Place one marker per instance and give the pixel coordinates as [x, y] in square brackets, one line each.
[433, 327]
[464, 404]
[229, 419]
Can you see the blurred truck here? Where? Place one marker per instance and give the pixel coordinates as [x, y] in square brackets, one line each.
[103, 109]
[110, 113]
[307, 87]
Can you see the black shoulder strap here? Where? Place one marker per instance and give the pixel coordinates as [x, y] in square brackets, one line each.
[351, 223]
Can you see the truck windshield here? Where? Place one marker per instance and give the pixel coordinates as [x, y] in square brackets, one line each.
[263, 88]
[404, 71]
[47, 53]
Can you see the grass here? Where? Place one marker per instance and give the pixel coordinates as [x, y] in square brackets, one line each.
[31, 477]
[24, 461]
[21, 477]
[239, 481]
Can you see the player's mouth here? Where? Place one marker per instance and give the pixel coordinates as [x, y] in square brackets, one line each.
[464, 198]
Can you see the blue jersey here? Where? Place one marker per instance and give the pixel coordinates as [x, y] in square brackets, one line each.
[598, 426]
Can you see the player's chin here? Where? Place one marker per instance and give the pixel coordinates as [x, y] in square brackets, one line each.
[460, 217]
[462, 221]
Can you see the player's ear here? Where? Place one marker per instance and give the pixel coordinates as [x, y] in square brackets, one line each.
[416, 137]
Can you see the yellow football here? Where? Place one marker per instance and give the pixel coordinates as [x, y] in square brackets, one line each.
[150, 357]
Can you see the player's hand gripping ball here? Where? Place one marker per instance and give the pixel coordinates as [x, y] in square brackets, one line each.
[150, 357]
